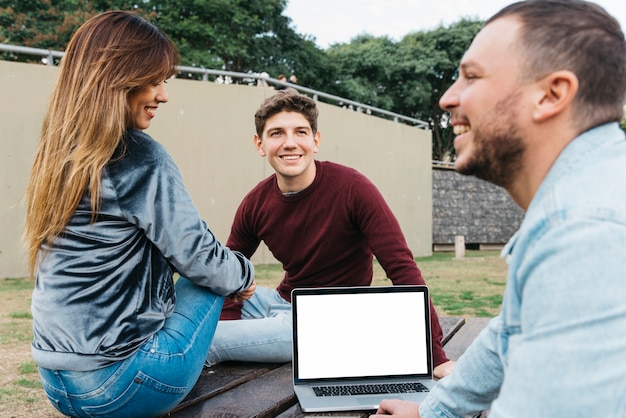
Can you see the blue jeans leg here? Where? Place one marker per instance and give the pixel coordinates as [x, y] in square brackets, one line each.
[154, 379]
[263, 334]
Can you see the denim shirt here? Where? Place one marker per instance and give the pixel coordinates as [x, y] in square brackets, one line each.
[558, 348]
[106, 286]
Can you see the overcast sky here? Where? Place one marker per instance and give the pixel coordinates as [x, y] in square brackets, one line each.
[338, 21]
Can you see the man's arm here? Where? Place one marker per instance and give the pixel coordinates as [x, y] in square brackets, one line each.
[240, 239]
[475, 382]
[572, 321]
[384, 236]
[466, 393]
[560, 333]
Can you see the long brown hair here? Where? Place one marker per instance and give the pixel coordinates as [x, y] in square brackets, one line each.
[111, 56]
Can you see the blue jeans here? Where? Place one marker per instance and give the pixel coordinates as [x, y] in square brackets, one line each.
[153, 380]
[263, 334]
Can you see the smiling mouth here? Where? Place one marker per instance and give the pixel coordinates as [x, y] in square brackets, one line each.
[290, 157]
[150, 111]
[461, 129]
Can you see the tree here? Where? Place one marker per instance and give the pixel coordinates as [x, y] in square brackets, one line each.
[253, 36]
[238, 35]
[235, 35]
[218, 34]
[46, 24]
[290, 53]
[407, 77]
[446, 46]
[362, 70]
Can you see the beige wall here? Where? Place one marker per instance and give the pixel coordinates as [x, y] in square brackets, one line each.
[208, 129]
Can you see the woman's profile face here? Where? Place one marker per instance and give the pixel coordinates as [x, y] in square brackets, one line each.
[144, 104]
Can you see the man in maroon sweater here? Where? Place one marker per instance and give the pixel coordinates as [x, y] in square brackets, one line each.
[323, 221]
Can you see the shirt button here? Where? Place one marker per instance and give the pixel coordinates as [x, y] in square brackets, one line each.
[152, 350]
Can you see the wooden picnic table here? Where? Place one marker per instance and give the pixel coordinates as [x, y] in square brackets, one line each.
[244, 390]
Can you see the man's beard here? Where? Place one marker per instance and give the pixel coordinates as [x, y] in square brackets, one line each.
[498, 150]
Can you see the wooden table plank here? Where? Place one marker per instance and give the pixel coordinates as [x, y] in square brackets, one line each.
[453, 328]
[267, 395]
[296, 412]
[464, 337]
[450, 325]
[222, 378]
[238, 389]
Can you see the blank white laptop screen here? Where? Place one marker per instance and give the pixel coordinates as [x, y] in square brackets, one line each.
[354, 335]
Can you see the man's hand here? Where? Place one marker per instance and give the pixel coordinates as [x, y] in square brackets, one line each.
[245, 294]
[444, 369]
[397, 408]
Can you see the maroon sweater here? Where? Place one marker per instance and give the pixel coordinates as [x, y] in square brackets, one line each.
[327, 235]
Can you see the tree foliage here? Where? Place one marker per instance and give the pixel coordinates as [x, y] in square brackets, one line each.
[233, 35]
[228, 34]
[407, 77]
[252, 36]
[46, 24]
[362, 70]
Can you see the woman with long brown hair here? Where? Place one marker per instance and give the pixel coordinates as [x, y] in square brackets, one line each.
[109, 222]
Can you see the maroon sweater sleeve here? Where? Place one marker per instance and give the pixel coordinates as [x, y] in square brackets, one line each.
[231, 310]
[387, 242]
[326, 236]
[240, 239]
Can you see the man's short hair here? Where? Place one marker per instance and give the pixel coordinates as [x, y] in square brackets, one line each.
[577, 36]
[288, 100]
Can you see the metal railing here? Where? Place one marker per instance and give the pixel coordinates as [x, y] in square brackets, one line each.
[47, 55]
[50, 57]
[449, 165]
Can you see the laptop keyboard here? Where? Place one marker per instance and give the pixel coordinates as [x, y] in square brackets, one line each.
[343, 390]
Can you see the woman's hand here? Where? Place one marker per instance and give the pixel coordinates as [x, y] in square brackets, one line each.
[244, 294]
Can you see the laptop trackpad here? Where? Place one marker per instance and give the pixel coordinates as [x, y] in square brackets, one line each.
[374, 400]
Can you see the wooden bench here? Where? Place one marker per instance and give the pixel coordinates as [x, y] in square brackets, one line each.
[237, 389]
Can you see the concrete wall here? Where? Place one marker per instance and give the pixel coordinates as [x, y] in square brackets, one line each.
[208, 129]
[482, 212]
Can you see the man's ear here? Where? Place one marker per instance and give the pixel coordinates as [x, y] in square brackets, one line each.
[258, 143]
[556, 94]
[316, 140]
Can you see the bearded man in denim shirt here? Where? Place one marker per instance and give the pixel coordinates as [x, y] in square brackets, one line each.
[536, 108]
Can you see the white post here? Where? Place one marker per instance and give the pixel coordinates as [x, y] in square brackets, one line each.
[459, 246]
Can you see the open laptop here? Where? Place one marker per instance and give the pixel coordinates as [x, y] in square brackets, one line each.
[349, 339]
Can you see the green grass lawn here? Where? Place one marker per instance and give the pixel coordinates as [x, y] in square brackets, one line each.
[472, 286]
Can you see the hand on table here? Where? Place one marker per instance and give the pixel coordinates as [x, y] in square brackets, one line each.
[406, 409]
[397, 408]
[444, 369]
